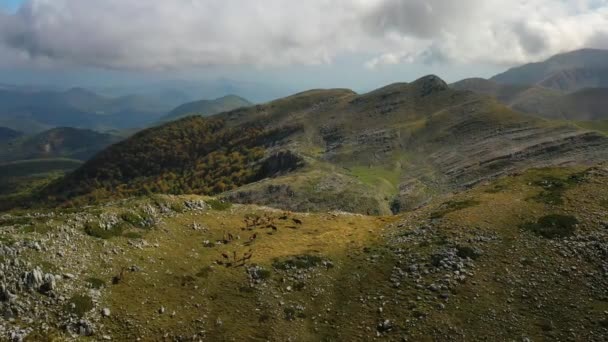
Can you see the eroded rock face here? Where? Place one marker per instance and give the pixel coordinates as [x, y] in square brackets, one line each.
[279, 163]
[36, 280]
[33, 280]
[5, 294]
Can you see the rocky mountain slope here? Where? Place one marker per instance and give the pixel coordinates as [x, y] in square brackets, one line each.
[572, 71]
[582, 105]
[386, 151]
[195, 268]
[207, 107]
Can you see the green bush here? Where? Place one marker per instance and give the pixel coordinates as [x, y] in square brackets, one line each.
[79, 305]
[553, 226]
[298, 262]
[133, 235]
[93, 229]
[132, 218]
[204, 272]
[467, 252]
[95, 283]
[452, 206]
[178, 206]
[37, 228]
[554, 188]
[218, 204]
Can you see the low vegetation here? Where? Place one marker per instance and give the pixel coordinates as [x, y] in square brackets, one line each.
[96, 230]
[553, 226]
[79, 305]
[452, 206]
[555, 187]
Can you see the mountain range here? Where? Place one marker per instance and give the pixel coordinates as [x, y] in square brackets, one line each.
[419, 211]
[35, 111]
[571, 86]
[571, 71]
[385, 151]
[62, 142]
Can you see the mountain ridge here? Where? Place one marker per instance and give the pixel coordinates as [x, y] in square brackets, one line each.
[393, 149]
[570, 71]
[586, 104]
[207, 107]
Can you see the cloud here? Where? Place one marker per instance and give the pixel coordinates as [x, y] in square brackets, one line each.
[160, 34]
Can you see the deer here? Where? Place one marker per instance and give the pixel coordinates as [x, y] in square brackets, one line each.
[227, 238]
[118, 278]
[248, 255]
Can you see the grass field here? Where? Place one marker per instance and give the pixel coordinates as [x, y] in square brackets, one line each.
[37, 166]
[243, 272]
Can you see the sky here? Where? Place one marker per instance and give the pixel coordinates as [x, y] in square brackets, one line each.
[358, 44]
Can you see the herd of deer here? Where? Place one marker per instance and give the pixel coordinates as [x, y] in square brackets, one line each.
[252, 222]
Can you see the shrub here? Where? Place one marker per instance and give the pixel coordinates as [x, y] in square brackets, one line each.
[204, 272]
[452, 206]
[93, 229]
[132, 218]
[553, 226]
[219, 204]
[37, 228]
[298, 262]
[467, 252]
[79, 305]
[554, 188]
[95, 283]
[133, 235]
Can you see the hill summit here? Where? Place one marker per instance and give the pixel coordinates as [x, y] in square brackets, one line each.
[207, 107]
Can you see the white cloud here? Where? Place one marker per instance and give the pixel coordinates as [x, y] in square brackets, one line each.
[161, 34]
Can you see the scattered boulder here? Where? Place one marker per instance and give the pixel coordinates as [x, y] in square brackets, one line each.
[36, 280]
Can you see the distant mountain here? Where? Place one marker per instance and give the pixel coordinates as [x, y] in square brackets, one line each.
[7, 134]
[77, 107]
[385, 151]
[207, 107]
[182, 91]
[64, 142]
[585, 104]
[572, 71]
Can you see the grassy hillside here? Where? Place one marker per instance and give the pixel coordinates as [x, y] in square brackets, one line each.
[182, 267]
[207, 107]
[192, 155]
[390, 150]
[22, 178]
[63, 142]
[600, 126]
